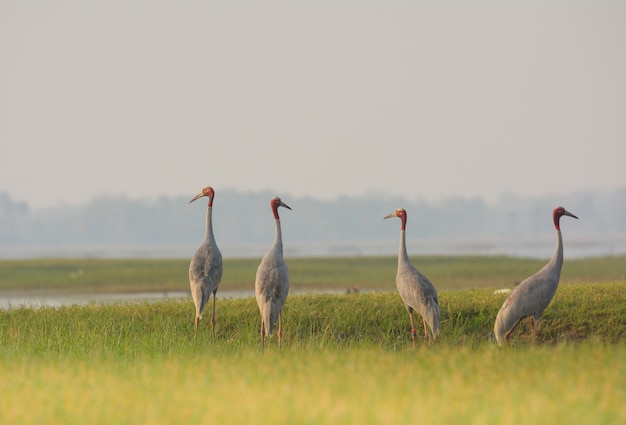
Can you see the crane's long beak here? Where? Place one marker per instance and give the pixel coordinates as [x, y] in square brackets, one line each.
[565, 212]
[393, 214]
[282, 204]
[198, 196]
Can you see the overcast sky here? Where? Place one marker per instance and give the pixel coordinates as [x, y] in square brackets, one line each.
[425, 99]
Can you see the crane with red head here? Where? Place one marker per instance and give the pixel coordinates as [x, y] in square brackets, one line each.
[272, 281]
[416, 291]
[205, 269]
[532, 295]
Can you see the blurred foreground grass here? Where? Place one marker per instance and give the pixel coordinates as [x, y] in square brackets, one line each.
[538, 385]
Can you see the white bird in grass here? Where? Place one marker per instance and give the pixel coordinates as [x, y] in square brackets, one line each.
[415, 289]
[532, 296]
[205, 269]
[272, 281]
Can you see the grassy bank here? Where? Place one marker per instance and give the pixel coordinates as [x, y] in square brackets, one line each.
[578, 312]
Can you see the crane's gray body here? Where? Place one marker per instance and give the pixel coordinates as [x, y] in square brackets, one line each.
[271, 285]
[416, 291]
[205, 269]
[531, 296]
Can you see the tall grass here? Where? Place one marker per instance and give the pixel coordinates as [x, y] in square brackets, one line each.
[376, 319]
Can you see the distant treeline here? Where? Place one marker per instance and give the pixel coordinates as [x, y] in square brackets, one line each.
[245, 218]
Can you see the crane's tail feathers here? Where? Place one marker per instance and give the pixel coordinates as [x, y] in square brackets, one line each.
[435, 327]
[266, 316]
[497, 330]
[506, 321]
[432, 318]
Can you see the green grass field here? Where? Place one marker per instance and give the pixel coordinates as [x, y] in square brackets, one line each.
[378, 273]
[346, 358]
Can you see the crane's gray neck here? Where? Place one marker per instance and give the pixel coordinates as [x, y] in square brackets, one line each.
[402, 255]
[557, 258]
[278, 237]
[208, 231]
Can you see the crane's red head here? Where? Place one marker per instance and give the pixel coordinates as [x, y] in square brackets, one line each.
[558, 213]
[401, 213]
[207, 191]
[275, 203]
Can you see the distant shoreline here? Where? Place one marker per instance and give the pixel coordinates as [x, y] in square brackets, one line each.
[538, 248]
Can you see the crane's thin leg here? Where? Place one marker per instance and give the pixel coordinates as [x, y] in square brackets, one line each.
[280, 327]
[197, 321]
[262, 336]
[213, 316]
[413, 331]
[535, 327]
[425, 330]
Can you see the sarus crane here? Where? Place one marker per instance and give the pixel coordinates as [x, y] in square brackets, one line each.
[272, 281]
[205, 269]
[532, 295]
[416, 291]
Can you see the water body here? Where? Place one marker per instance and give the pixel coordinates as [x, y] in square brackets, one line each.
[58, 300]
[19, 300]
[531, 248]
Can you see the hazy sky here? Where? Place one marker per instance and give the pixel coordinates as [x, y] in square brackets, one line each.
[426, 99]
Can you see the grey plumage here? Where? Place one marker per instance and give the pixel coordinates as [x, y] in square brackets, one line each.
[271, 285]
[416, 291]
[532, 296]
[205, 269]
